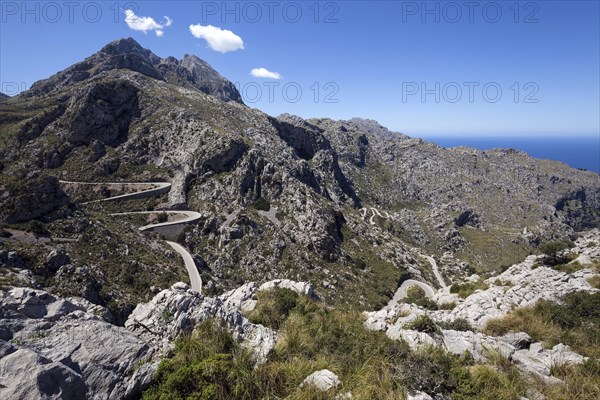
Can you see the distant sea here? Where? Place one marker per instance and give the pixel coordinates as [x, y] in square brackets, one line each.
[578, 152]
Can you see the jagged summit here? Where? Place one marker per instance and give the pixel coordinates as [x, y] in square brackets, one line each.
[124, 45]
[126, 53]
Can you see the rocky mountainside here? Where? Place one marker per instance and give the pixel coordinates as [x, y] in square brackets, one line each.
[281, 196]
[345, 212]
[460, 199]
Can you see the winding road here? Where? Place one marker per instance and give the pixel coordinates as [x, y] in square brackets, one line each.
[403, 289]
[375, 212]
[190, 265]
[156, 189]
[436, 271]
[189, 216]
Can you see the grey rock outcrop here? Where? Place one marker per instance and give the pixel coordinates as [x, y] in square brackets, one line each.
[40, 377]
[244, 299]
[56, 259]
[178, 309]
[530, 284]
[71, 352]
[418, 396]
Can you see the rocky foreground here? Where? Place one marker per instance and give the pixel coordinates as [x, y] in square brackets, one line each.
[53, 347]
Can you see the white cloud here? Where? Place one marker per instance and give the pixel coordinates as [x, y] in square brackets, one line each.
[145, 24]
[218, 39]
[264, 73]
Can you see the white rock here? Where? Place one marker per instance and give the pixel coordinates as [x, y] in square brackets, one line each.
[416, 340]
[62, 342]
[298, 287]
[241, 297]
[322, 380]
[477, 344]
[583, 259]
[519, 340]
[418, 396]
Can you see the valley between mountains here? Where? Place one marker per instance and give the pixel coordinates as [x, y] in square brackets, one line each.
[160, 239]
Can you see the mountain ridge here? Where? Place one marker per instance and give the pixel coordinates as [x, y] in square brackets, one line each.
[129, 54]
[138, 118]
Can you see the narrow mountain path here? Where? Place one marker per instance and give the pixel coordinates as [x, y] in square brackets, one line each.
[156, 188]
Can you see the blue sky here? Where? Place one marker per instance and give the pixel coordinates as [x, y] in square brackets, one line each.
[353, 58]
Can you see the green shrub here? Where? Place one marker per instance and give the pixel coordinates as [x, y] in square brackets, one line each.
[208, 364]
[423, 324]
[459, 324]
[552, 251]
[262, 204]
[36, 227]
[483, 382]
[447, 306]
[273, 307]
[416, 295]
[162, 217]
[466, 289]
[580, 381]
[568, 268]
[577, 309]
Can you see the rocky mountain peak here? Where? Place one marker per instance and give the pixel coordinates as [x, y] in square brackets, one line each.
[192, 63]
[128, 54]
[124, 45]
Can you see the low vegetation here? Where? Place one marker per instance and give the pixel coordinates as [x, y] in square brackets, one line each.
[208, 364]
[262, 204]
[459, 324]
[594, 281]
[501, 380]
[274, 307]
[554, 253]
[575, 322]
[423, 324]
[416, 295]
[466, 289]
